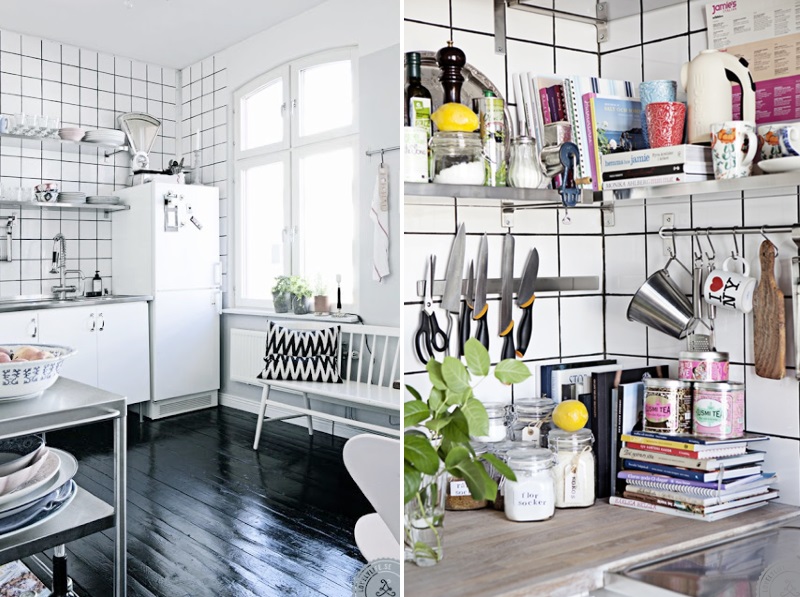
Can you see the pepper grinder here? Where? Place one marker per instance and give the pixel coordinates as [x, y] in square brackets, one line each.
[451, 60]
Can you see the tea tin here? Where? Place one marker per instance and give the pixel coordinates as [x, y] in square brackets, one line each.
[703, 366]
[667, 406]
[719, 409]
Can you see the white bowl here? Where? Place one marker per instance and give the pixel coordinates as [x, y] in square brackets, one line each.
[71, 134]
[28, 379]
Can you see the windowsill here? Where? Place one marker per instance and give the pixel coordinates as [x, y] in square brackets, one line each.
[273, 315]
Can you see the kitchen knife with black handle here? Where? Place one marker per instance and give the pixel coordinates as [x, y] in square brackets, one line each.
[480, 307]
[465, 320]
[525, 298]
[507, 298]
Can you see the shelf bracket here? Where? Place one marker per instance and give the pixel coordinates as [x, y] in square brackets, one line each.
[500, 27]
[609, 219]
[602, 22]
[507, 216]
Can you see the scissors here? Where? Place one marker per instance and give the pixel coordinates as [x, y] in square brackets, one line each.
[429, 337]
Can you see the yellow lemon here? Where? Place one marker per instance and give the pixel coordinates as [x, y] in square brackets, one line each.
[570, 415]
[455, 117]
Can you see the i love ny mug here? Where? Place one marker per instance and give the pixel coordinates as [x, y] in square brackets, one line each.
[729, 289]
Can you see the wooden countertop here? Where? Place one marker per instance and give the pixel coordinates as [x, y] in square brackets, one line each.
[486, 555]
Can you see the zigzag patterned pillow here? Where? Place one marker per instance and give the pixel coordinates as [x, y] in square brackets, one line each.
[290, 368]
[302, 343]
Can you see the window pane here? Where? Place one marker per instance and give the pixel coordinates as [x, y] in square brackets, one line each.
[262, 116]
[327, 227]
[262, 218]
[326, 97]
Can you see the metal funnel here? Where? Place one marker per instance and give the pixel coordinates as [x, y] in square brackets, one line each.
[141, 131]
[659, 304]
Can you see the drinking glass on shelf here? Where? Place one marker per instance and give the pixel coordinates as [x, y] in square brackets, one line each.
[27, 195]
[53, 124]
[29, 126]
[40, 126]
[19, 124]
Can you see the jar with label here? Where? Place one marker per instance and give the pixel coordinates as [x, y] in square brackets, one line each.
[532, 496]
[531, 420]
[457, 158]
[667, 406]
[501, 450]
[574, 468]
[458, 496]
[498, 420]
[719, 409]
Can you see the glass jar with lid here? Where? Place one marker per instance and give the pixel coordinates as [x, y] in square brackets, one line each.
[501, 450]
[531, 420]
[458, 496]
[532, 496]
[498, 420]
[574, 468]
[457, 158]
[524, 170]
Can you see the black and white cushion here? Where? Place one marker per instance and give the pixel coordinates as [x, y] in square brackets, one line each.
[301, 355]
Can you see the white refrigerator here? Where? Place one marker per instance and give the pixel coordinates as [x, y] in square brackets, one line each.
[167, 246]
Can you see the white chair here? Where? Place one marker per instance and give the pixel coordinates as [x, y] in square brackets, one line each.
[374, 464]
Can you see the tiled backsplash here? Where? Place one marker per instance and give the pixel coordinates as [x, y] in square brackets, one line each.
[639, 48]
[86, 89]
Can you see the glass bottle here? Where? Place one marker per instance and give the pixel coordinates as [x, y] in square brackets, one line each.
[574, 468]
[532, 496]
[415, 90]
[498, 420]
[458, 495]
[532, 418]
[523, 164]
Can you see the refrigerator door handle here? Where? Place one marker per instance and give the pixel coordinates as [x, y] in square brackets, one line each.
[218, 273]
[217, 300]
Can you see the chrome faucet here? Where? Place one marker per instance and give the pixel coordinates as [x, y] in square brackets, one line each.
[59, 266]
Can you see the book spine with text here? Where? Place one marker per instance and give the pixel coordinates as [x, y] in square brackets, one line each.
[651, 181]
[659, 156]
[686, 167]
[686, 453]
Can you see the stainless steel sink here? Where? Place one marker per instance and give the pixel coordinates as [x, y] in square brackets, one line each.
[46, 301]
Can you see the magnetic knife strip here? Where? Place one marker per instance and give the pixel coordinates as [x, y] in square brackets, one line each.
[564, 283]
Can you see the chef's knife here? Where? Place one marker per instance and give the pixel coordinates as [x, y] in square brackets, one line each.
[453, 281]
[507, 298]
[464, 322]
[480, 307]
[525, 298]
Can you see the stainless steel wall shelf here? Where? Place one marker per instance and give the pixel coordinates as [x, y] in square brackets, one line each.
[48, 143]
[562, 284]
[480, 196]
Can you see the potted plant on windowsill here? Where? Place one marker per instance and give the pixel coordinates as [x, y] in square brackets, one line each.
[282, 294]
[321, 302]
[301, 295]
[437, 443]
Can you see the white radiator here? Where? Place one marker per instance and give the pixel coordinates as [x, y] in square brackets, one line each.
[247, 354]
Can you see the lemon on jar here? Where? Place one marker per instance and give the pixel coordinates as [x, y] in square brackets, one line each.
[570, 415]
[455, 117]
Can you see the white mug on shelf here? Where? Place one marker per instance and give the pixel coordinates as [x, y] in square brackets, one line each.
[729, 289]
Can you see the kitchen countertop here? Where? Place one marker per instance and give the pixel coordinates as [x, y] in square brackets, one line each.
[486, 554]
[31, 303]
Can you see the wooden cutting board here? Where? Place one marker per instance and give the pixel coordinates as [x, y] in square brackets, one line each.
[769, 319]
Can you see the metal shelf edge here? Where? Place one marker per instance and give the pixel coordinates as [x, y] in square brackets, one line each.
[501, 194]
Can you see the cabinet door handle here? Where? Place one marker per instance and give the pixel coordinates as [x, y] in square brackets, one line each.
[94, 323]
[102, 322]
[35, 331]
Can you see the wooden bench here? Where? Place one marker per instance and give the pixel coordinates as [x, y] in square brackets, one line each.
[366, 382]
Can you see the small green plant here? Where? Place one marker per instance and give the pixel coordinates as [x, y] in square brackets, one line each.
[320, 287]
[438, 431]
[282, 284]
[299, 287]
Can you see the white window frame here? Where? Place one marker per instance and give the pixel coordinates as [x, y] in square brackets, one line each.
[289, 150]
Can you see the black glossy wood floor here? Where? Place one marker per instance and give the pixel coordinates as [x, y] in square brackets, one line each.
[209, 516]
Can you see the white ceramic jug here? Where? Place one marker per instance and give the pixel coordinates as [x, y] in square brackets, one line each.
[707, 80]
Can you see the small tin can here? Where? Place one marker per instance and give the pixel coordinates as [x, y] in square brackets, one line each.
[719, 409]
[491, 112]
[667, 406]
[703, 366]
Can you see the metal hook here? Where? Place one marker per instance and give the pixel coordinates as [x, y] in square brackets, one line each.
[774, 246]
[735, 252]
[382, 152]
[710, 244]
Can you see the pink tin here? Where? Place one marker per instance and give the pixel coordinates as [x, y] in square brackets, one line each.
[718, 409]
[703, 366]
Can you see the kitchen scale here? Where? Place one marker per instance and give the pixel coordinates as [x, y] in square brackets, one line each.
[141, 130]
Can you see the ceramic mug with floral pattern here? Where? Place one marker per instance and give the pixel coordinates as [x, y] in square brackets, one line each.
[789, 139]
[733, 148]
[665, 121]
[769, 138]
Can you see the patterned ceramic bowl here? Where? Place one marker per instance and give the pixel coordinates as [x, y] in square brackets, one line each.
[28, 379]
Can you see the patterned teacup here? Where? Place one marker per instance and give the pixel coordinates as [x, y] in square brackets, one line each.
[769, 138]
[733, 148]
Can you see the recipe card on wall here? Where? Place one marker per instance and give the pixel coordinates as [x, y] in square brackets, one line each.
[738, 22]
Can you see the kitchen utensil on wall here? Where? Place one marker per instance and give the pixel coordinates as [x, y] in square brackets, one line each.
[733, 148]
[453, 282]
[451, 60]
[707, 80]
[429, 337]
[665, 121]
[481, 308]
[465, 320]
[141, 131]
[655, 91]
[507, 298]
[698, 342]
[525, 297]
[661, 305]
[769, 318]
[729, 289]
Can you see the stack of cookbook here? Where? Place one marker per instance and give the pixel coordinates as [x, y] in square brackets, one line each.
[692, 476]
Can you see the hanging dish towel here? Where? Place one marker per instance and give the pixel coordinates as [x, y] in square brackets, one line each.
[379, 214]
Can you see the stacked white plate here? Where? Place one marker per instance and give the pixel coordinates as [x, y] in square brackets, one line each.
[102, 200]
[71, 197]
[105, 137]
[71, 134]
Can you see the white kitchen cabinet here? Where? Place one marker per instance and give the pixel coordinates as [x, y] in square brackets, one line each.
[112, 342]
[19, 327]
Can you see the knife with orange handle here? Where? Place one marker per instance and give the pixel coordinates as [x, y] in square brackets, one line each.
[525, 298]
[480, 308]
[507, 298]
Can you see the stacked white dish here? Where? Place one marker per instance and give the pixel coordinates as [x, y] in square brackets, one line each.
[102, 200]
[105, 137]
[71, 134]
[71, 197]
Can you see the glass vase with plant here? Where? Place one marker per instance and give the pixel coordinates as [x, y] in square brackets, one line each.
[301, 293]
[282, 294]
[437, 443]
